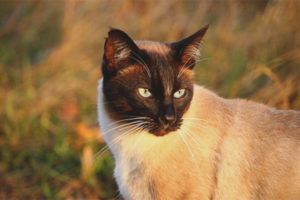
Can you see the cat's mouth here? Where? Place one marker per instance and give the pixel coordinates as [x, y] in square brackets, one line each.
[162, 129]
[163, 132]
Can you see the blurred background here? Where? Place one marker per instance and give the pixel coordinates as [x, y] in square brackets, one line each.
[50, 55]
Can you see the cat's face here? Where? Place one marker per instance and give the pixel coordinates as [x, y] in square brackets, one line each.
[149, 81]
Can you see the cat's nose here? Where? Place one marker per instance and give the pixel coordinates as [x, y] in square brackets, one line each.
[169, 114]
[169, 118]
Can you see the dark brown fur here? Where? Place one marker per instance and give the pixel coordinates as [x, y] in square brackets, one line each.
[125, 64]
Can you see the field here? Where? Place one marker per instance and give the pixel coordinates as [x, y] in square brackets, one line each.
[50, 58]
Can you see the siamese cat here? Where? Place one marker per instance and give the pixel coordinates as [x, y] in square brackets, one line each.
[174, 140]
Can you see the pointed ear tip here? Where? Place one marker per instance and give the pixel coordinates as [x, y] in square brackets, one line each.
[202, 31]
[112, 31]
[205, 27]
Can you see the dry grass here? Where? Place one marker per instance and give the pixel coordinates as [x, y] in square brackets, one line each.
[50, 56]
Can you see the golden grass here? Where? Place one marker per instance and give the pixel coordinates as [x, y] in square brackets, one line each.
[50, 59]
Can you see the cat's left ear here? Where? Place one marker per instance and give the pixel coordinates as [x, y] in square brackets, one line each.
[188, 49]
[118, 50]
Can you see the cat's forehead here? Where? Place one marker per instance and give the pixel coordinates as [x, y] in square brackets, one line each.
[153, 47]
[164, 69]
[159, 55]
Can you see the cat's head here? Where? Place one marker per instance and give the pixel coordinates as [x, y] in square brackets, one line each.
[149, 83]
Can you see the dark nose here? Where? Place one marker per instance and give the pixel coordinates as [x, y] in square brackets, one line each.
[169, 114]
[170, 118]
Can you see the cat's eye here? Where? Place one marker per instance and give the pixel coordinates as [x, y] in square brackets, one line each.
[144, 92]
[179, 93]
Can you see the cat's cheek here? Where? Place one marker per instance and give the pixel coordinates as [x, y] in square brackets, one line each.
[119, 108]
[186, 109]
[148, 106]
[125, 107]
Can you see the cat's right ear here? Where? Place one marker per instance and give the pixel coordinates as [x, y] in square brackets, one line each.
[187, 51]
[118, 49]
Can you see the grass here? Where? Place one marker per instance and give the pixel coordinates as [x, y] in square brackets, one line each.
[50, 57]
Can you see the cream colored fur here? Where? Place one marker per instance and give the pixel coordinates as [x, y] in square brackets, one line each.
[238, 150]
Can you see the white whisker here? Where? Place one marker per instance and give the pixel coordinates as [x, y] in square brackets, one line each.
[142, 62]
[184, 68]
[118, 196]
[107, 147]
[127, 119]
[117, 139]
[189, 133]
[196, 119]
[121, 127]
[189, 149]
[138, 139]
[200, 127]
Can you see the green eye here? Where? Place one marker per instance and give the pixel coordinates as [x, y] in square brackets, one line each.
[144, 92]
[179, 93]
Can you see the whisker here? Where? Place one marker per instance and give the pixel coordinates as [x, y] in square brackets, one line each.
[107, 147]
[189, 149]
[127, 119]
[202, 59]
[121, 127]
[117, 139]
[197, 61]
[200, 127]
[138, 139]
[118, 196]
[137, 116]
[198, 122]
[184, 68]
[146, 66]
[139, 57]
[142, 62]
[196, 119]
[189, 133]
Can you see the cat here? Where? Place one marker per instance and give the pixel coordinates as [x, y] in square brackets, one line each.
[175, 140]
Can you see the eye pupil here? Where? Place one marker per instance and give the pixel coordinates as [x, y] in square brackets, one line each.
[144, 92]
[179, 93]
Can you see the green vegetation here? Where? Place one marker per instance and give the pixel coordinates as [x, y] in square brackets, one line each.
[50, 54]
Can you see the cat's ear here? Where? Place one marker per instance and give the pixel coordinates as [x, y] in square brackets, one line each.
[188, 49]
[117, 50]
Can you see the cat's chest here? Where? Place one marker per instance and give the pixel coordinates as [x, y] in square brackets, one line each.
[139, 168]
[135, 171]
[132, 178]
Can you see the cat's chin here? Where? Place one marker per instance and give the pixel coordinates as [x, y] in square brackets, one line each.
[163, 132]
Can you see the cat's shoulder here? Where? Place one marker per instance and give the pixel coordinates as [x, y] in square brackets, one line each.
[245, 107]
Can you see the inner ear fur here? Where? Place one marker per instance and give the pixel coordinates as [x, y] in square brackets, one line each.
[118, 50]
